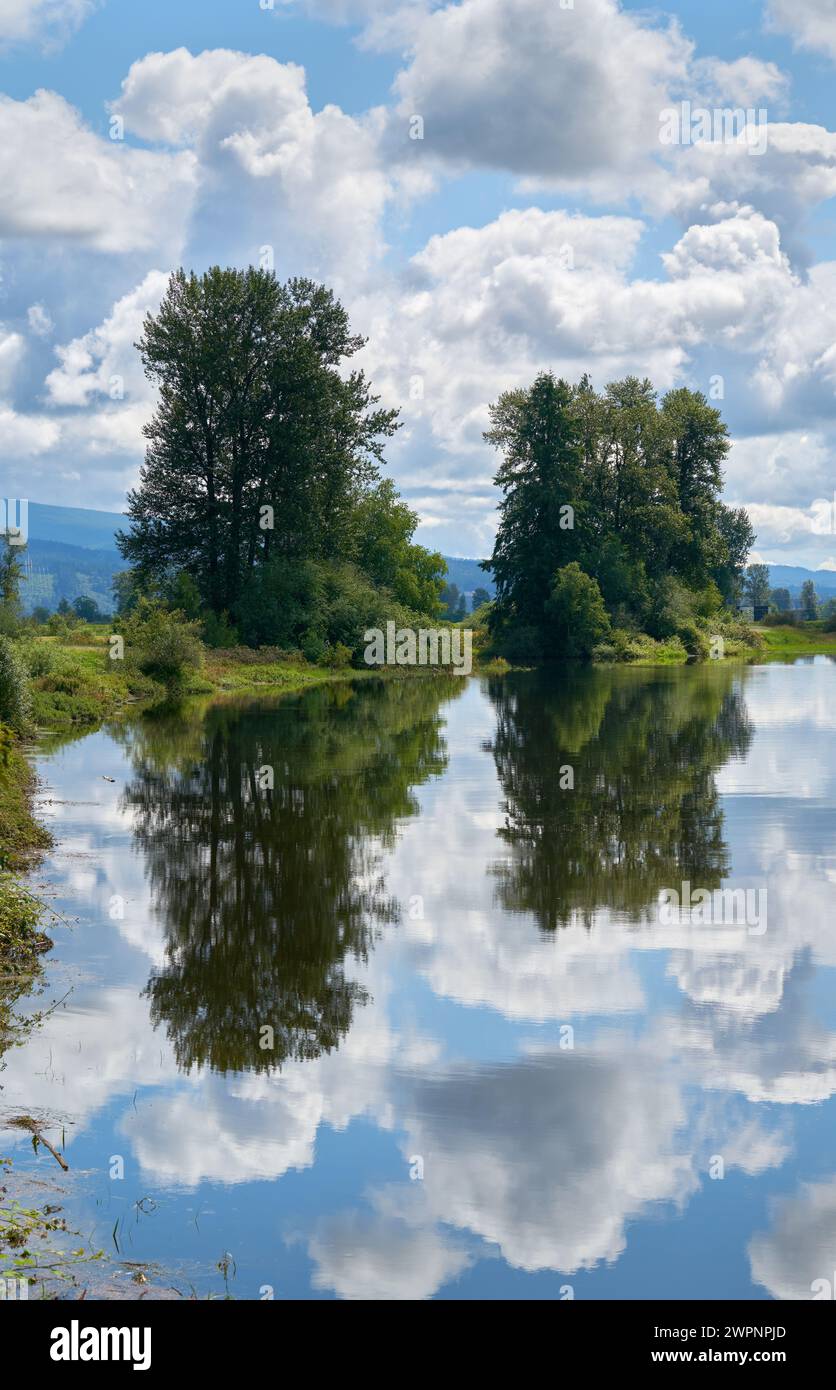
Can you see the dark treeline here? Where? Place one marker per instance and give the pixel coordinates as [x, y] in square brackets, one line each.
[610, 520]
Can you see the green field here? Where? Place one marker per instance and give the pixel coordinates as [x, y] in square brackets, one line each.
[808, 639]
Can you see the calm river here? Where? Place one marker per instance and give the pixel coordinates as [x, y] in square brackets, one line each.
[367, 993]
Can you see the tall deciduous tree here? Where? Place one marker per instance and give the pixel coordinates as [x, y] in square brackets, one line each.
[756, 585]
[642, 480]
[259, 446]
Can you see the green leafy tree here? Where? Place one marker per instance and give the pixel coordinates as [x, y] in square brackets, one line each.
[480, 597]
[781, 600]
[454, 603]
[738, 537]
[809, 600]
[384, 550]
[642, 482]
[540, 439]
[11, 574]
[261, 441]
[698, 441]
[87, 609]
[756, 585]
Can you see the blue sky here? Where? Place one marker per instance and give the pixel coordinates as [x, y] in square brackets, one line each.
[539, 221]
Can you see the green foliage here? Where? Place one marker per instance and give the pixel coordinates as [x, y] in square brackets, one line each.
[162, 645]
[541, 440]
[316, 607]
[20, 941]
[183, 594]
[781, 600]
[254, 413]
[38, 657]
[624, 487]
[756, 585]
[87, 609]
[454, 603]
[15, 697]
[218, 631]
[261, 473]
[11, 574]
[576, 619]
[383, 549]
[809, 600]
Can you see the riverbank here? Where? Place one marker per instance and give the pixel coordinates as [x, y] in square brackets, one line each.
[75, 685]
[22, 840]
[809, 639]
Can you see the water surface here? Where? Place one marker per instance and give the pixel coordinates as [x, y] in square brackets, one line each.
[407, 1024]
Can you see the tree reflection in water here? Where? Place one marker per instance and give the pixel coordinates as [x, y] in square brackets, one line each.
[644, 812]
[267, 894]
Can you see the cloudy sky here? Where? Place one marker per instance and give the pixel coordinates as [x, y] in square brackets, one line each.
[489, 185]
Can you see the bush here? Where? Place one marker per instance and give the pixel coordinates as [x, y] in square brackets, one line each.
[617, 647]
[38, 658]
[520, 644]
[317, 608]
[314, 648]
[162, 645]
[339, 656]
[575, 614]
[694, 640]
[15, 697]
[218, 632]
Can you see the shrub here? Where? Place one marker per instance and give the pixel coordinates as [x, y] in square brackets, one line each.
[339, 656]
[162, 645]
[575, 614]
[38, 658]
[218, 632]
[15, 698]
[314, 648]
[617, 647]
[694, 640]
[520, 644]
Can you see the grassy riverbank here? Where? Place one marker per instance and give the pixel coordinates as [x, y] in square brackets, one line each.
[807, 639]
[22, 839]
[75, 684]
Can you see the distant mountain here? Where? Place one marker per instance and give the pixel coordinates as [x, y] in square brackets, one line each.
[71, 551]
[793, 576]
[75, 526]
[53, 571]
[467, 575]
